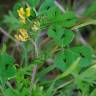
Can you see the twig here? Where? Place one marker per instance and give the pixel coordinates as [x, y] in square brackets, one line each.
[44, 42]
[9, 36]
[63, 85]
[59, 6]
[34, 73]
[35, 67]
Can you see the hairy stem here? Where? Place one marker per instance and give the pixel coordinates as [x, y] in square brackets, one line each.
[35, 66]
[9, 36]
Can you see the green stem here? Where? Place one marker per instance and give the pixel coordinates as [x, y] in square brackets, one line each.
[35, 66]
[64, 74]
[63, 85]
[85, 23]
[2, 90]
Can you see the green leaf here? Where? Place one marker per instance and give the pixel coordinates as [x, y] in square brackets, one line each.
[69, 15]
[69, 19]
[86, 79]
[62, 37]
[38, 91]
[64, 58]
[33, 3]
[12, 21]
[33, 14]
[47, 4]
[59, 61]
[85, 53]
[54, 14]
[63, 75]
[93, 93]
[7, 69]
[89, 74]
[25, 92]
[90, 10]
[11, 92]
[83, 86]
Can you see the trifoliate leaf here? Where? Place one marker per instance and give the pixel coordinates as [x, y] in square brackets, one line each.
[62, 37]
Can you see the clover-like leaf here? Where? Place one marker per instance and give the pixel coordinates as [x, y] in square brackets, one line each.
[33, 3]
[7, 69]
[85, 53]
[68, 56]
[69, 19]
[62, 37]
[54, 14]
[64, 59]
[47, 4]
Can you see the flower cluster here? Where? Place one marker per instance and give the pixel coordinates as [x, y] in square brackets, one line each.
[24, 15]
[22, 36]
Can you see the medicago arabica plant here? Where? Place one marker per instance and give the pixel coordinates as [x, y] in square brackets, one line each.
[52, 63]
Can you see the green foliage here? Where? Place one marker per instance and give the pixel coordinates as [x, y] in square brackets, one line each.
[86, 79]
[66, 57]
[12, 21]
[69, 19]
[91, 9]
[7, 69]
[38, 91]
[33, 3]
[93, 92]
[51, 61]
[11, 92]
[47, 4]
[60, 36]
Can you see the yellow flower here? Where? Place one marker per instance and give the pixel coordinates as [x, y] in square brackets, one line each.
[23, 36]
[28, 11]
[17, 37]
[24, 33]
[21, 13]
